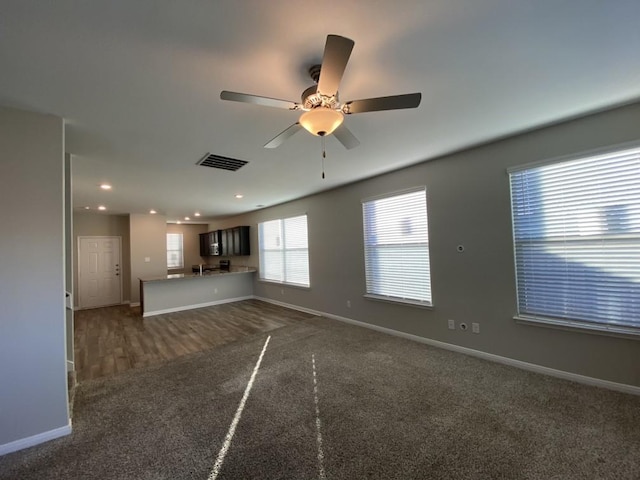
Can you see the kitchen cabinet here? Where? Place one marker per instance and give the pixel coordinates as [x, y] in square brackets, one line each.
[241, 240]
[235, 241]
[227, 243]
[204, 244]
[210, 244]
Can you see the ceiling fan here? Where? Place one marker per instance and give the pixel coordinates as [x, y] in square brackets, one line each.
[323, 113]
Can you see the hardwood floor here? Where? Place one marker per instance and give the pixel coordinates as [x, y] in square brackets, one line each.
[115, 339]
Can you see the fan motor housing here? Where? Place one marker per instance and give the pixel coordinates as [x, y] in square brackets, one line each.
[312, 99]
[309, 97]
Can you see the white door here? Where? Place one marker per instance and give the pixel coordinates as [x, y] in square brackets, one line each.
[99, 271]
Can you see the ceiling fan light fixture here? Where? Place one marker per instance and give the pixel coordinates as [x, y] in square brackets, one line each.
[323, 112]
[321, 121]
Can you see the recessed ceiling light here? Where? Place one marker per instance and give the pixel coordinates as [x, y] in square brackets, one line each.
[187, 218]
[105, 186]
[197, 214]
[102, 207]
[152, 212]
[87, 208]
[178, 222]
[239, 195]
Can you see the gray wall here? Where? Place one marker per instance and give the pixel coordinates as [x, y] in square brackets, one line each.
[102, 225]
[32, 318]
[468, 203]
[148, 235]
[191, 244]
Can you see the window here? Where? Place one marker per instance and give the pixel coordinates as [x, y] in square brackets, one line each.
[576, 228]
[175, 258]
[284, 251]
[396, 247]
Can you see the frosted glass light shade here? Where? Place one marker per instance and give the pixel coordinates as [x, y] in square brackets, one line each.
[321, 121]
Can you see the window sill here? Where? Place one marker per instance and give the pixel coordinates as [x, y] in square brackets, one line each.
[285, 284]
[400, 301]
[619, 331]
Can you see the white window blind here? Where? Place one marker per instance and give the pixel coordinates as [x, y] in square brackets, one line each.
[577, 241]
[284, 251]
[396, 247]
[175, 258]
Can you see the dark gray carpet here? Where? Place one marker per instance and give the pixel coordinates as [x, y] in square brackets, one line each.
[389, 409]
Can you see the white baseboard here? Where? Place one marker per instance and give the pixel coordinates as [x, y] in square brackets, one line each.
[292, 307]
[198, 305]
[35, 439]
[532, 367]
[125, 302]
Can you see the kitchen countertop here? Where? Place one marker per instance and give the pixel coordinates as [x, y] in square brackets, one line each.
[207, 274]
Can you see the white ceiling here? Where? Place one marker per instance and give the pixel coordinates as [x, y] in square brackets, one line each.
[138, 83]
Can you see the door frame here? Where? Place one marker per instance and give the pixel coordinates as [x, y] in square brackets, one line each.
[89, 237]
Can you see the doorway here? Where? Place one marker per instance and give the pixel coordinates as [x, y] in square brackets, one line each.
[99, 278]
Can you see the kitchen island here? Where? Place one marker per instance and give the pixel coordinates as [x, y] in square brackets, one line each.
[173, 293]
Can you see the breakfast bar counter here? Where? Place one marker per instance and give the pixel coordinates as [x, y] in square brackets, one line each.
[175, 292]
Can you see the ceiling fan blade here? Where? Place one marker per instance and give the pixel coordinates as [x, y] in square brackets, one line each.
[345, 137]
[394, 102]
[337, 51]
[257, 100]
[281, 137]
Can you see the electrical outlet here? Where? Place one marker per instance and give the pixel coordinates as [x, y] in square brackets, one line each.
[475, 327]
[215, 290]
[282, 291]
[348, 303]
[463, 326]
[452, 324]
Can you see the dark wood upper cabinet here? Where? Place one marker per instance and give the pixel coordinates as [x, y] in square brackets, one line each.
[227, 243]
[241, 240]
[204, 244]
[210, 244]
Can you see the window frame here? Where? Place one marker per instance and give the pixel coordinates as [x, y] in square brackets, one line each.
[261, 250]
[427, 304]
[541, 320]
[181, 254]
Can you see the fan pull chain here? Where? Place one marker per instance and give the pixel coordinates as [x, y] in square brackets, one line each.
[324, 155]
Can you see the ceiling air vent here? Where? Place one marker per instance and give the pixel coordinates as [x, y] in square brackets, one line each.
[224, 163]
